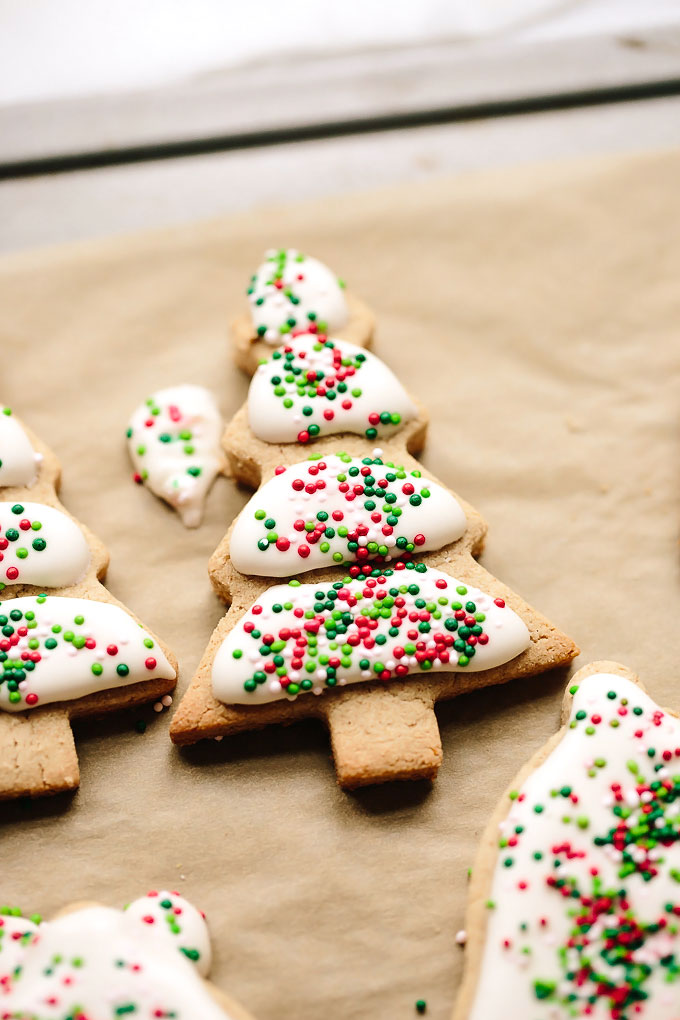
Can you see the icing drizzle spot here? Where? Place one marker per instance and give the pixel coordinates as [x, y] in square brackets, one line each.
[40, 545]
[54, 648]
[316, 386]
[292, 291]
[375, 624]
[339, 509]
[174, 444]
[18, 459]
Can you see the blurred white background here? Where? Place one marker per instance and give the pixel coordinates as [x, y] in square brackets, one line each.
[58, 48]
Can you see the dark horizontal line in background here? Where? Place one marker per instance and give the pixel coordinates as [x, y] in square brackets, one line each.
[96, 159]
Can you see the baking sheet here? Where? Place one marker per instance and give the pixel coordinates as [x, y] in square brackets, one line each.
[537, 313]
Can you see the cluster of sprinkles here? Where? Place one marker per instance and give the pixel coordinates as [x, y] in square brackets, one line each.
[375, 623]
[26, 643]
[176, 434]
[328, 389]
[601, 847]
[27, 538]
[373, 491]
[284, 281]
[170, 912]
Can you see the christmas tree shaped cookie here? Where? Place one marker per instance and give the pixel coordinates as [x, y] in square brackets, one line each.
[354, 589]
[575, 898]
[68, 649]
[148, 961]
[292, 292]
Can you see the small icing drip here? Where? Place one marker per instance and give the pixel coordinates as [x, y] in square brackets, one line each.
[18, 459]
[178, 920]
[54, 648]
[323, 512]
[294, 291]
[585, 900]
[408, 619]
[40, 545]
[102, 964]
[174, 443]
[316, 387]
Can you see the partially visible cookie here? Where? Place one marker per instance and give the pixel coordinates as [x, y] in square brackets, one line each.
[174, 444]
[68, 649]
[290, 293]
[148, 961]
[574, 904]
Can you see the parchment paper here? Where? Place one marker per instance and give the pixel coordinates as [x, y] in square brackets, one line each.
[537, 313]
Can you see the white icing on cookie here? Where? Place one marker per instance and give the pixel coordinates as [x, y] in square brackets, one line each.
[293, 291]
[177, 920]
[299, 638]
[316, 387]
[325, 511]
[18, 460]
[40, 545]
[586, 889]
[15, 934]
[174, 443]
[102, 964]
[54, 648]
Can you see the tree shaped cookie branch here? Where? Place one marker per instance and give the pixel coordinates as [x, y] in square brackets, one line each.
[68, 649]
[291, 292]
[574, 905]
[395, 612]
[149, 960]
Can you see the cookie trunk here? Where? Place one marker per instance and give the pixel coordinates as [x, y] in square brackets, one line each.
[379, 736]
[37, 754]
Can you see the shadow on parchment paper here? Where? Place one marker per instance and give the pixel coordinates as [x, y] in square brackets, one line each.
[272, 742]
[310, 736]
[467, 712]
[490, 702]
[116, 725]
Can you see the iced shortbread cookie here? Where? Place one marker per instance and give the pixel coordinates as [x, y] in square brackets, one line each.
[394, 613]
[148, 961]
[292, 293]
[174, 444]
[354, 590]
[575, 898]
